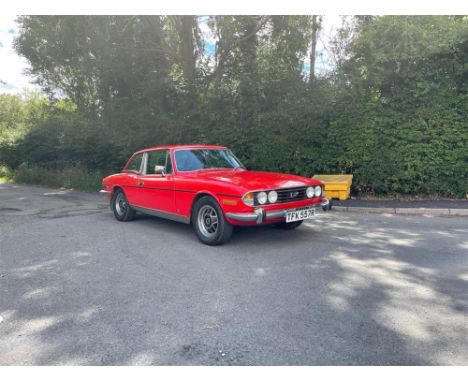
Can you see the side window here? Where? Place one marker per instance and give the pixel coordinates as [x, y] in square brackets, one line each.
[135, 164]
[158, 158]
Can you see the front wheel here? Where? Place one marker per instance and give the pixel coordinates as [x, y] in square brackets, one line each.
[289, 226]
[209, 223]
[122, 210]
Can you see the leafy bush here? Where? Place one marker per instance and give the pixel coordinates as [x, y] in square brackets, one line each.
[393, 112]
[5, 173]
[78, 178]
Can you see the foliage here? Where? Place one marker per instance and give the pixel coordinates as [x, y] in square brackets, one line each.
[393, 112]
[77, 177]
[5, 174]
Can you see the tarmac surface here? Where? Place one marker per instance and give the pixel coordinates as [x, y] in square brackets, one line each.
[78, 287]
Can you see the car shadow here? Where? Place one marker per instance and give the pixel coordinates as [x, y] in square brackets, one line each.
[242, 236]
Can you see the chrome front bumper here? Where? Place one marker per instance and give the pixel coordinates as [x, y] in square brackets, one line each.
[260, 215]
[104, 192]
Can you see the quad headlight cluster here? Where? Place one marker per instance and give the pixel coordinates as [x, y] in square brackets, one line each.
[313, 191]
[262, 197]
[271, 197]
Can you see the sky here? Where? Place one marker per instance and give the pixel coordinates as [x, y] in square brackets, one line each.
[14, 80]
[12, 66]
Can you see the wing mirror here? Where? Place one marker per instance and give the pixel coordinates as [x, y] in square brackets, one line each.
[161, 170]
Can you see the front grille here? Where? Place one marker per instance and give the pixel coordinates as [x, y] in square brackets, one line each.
[291, 194]
[287, 195]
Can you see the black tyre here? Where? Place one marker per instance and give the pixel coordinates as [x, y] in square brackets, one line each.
[122, 210]
[209, 222]
[289, 226]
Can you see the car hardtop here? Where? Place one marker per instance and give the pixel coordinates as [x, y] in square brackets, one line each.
[180, 147]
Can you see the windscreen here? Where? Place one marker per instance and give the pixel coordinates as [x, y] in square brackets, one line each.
[202, 159]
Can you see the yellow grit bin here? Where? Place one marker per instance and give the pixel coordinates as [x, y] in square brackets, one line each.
[336, 186]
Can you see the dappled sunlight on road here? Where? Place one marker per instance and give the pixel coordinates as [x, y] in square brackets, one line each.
[463, 245]
[41, 293]
[142, 359]
[411, 303]
[341, 289]
[30, 270]
[38, 310]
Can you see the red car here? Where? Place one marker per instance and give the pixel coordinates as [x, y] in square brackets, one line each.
[208, 187]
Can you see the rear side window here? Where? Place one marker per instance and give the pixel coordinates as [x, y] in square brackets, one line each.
[135, 164]
[158, 158]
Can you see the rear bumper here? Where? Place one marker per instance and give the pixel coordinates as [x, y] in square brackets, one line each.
[260, 215]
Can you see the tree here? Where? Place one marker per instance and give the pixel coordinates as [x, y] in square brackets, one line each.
[392, 111]
[316, 24]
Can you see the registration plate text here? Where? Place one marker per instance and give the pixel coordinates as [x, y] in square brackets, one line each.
[295, 215]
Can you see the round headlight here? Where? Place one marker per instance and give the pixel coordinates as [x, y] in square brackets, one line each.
[262, 197]
[318, 190]
[310, 192]
[272, 196]
[249, 199]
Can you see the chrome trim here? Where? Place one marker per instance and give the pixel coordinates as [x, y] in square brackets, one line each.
[105, 192]
[263, 215]
[161, 214]
[145, 166]
[242, 217]
[143, 163]
[325, 202]
[276, 214]
[258, 216]
[277, 190]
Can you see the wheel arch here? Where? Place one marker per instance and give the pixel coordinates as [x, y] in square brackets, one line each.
[201, 194]
[116, 188]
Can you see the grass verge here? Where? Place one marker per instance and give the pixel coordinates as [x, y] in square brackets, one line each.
[77, 178]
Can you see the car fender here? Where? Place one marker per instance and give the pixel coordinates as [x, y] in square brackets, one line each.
[204, 192]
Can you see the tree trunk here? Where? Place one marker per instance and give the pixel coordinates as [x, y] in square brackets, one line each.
[315, 27]
[187, 46]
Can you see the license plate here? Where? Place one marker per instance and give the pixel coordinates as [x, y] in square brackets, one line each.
[295, 215]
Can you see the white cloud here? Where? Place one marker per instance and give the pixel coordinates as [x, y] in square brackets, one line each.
[12, 66]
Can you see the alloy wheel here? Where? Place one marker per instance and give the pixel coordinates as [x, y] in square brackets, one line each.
[208, 221]
[121, 204]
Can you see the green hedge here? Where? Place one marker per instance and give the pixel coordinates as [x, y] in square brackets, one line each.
[78, 178]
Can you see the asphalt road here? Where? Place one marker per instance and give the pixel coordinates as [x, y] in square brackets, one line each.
[78, 287]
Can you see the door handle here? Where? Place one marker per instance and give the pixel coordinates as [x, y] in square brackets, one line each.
[140, 183]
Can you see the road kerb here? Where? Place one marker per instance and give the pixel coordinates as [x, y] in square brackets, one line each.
[405, 211]
[340, 208]
[423, 211]
[458, 212]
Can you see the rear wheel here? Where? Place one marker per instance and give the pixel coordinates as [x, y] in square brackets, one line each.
[209, 223]
[122, 210]
[289, 226]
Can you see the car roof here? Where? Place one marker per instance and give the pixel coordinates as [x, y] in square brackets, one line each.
[167, 147]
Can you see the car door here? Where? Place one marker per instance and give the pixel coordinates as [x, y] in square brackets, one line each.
[157, 182]
[133, 171]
